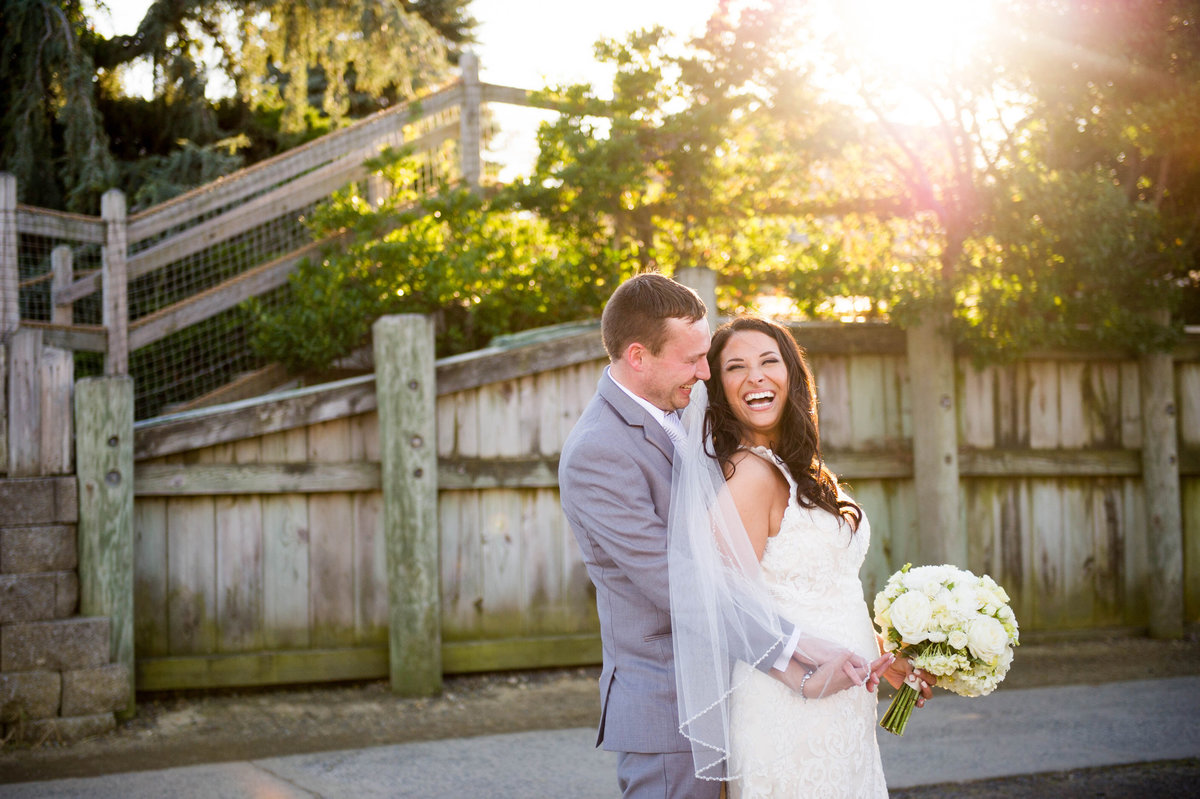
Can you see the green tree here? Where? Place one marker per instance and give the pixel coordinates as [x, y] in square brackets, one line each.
[1044, 198]
[697, 141]
[1051, 197]
[69, 132]
[1101, 212]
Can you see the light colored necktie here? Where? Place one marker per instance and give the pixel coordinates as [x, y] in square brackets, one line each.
[674, 428]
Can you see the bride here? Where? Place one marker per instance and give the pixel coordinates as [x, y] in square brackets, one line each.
[760, 529]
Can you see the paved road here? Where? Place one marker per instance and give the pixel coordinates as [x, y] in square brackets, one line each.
[1013, 732]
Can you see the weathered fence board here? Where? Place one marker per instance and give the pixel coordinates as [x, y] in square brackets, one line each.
[59, 225]
[285, 549]
[150, 636]
[1187, 389]
[191, 576]
[832, 377]
[407, 391]
[331, 544]
[24, 403]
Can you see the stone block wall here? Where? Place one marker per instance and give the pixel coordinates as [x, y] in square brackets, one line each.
[57, 681]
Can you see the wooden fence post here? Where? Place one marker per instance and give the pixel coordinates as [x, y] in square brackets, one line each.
[104, 466]
[1160, 481]
[470, 136]
[62, 267]
[115, 283]
[58, 373]
[378, 189]
[24, 403]
[406, 391]
[932, 385]
[3, 407]
[10, 308]
[703, 281]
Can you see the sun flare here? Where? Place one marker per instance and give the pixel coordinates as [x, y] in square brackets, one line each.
[909, 37]
[905, 46]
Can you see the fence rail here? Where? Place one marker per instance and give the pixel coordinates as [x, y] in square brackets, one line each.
[189, 263]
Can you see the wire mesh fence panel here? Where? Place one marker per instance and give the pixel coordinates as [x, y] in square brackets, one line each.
[35, 275]
[196, 360]
[194, 260]
[202, 357]
[205, 355]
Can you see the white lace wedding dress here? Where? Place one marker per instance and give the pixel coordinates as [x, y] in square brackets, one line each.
[782, 745]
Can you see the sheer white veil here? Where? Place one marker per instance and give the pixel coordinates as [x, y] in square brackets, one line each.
[721, 611]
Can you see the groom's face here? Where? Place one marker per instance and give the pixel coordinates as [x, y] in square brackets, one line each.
[669, 376]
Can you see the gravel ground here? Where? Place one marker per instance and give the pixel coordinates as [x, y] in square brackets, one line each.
[185, 728]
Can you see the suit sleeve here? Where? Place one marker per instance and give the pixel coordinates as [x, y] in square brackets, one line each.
[607, 493]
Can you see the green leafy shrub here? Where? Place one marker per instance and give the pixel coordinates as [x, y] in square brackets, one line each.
[482, 267]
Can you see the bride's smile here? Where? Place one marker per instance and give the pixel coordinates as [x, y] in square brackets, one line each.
[755, 379]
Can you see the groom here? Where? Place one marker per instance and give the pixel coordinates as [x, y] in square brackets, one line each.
[615, 481]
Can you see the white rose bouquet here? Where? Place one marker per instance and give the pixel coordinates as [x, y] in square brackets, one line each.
[948, 622]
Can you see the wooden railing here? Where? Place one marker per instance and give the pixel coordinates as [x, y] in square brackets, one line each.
[192, 235]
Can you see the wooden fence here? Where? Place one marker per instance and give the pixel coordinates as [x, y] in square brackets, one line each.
[262, 554]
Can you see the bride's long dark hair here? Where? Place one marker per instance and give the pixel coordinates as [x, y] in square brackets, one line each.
[799, 444]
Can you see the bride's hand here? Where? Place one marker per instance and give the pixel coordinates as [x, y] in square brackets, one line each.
[900, 670]
[840, 671]
[877, 670]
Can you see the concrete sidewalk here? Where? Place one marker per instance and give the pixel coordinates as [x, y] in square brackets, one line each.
[954, 739]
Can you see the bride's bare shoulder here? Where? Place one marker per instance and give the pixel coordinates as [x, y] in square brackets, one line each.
[752, 470]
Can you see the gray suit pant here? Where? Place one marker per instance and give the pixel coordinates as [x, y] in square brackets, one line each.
[662, 776]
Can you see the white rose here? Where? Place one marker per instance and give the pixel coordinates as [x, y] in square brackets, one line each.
[910, 616]
[920, 578]
[986, 639]
[957, 639]
[995, 588]
[967, 596]
[964, 603]
[1005, 660]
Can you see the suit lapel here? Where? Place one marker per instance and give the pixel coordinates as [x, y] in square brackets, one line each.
[635, 415]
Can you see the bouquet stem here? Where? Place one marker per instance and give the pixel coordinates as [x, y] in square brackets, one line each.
[896, 717]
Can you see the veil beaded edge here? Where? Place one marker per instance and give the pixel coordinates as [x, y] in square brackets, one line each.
[721, 610]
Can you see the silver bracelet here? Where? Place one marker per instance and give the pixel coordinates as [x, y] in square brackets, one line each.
[803, 681]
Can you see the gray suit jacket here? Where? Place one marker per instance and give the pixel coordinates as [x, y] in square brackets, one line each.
[615, 481]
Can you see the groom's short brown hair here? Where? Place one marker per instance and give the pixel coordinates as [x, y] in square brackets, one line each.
[639, 309]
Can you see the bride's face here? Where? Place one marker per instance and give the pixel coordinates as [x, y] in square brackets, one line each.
[755, 380]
